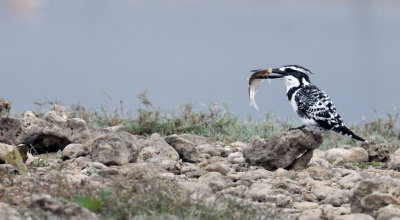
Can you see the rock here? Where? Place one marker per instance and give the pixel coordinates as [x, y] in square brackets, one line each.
[356, 154]
[156, 147]
[397, 152]
[305, 205]
[281, 173]
[282, 149]
[318, 162]
[76, 179]
[260, 191]
[354, 216]
[115, 148]
[318, 173]
[7, 169]
[169, 165]
[237, 191]
[198, 191]
[310, 214]
[9, 129]
[214, 180]
[189, 167]
[238, 146]
[350, 180]
[140, 170]
[236, 157]
[8, 213]
[288, 185]
[395, 163]
[97, 165]
[372, 194]
[329, 212]
[377, 152]
[302, 162]
[4, 150]
[54, 209]
[257, 174]
[186, 149]
[219, 167]
[52, 132]
[280, 200]
[195, 139]
[329, 195]
[75, 150]
[388, 212]
[264, 192]
[208, 149]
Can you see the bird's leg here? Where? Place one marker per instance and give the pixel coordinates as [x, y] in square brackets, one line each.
[298, 128]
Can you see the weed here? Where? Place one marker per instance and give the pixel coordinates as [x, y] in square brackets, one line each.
[361, 165]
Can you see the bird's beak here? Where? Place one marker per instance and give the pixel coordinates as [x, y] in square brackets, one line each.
[267, 74]
[275, 74]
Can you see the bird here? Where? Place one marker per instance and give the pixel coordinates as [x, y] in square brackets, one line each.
[314, 107]
[5, 105]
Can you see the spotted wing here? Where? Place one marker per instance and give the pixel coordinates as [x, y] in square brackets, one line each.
[315, 104]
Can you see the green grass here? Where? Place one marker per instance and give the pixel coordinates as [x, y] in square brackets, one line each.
[218, 123]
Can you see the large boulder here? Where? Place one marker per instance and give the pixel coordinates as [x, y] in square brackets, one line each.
[282, 150]
[49, 133]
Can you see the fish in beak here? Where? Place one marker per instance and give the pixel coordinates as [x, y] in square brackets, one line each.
[257, 78]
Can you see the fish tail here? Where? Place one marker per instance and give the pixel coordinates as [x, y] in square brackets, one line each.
[254, 104]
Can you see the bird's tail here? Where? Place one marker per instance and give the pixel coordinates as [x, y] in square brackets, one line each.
[343, 130]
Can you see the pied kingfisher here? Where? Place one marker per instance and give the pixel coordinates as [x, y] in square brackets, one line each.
[311, 104]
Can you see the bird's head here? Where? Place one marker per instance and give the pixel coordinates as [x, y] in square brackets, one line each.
[294, 75]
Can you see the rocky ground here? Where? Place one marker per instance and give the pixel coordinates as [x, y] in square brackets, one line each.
[73, 171]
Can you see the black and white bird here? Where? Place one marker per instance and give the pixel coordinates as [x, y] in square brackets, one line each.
[312, 105]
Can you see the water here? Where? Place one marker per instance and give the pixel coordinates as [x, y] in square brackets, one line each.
[184, 51]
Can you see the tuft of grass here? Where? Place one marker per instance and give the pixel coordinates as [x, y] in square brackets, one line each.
[93, 204]
[361, 165]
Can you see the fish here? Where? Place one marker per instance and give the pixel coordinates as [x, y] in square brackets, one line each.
[255, 82]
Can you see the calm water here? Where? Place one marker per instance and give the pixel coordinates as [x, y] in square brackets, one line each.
[198, 51]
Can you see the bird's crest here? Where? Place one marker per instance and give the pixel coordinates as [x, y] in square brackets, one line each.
[296, 68]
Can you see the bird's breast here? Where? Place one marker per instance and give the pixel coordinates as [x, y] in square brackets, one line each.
[293, 102]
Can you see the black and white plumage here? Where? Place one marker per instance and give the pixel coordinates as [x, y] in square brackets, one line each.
[312, 105]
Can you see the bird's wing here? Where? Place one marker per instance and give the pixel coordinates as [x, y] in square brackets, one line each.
[315, 104]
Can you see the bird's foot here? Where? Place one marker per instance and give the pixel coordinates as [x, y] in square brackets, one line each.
[298, 128]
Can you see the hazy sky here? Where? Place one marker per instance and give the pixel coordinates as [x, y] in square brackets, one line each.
[198, 51]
